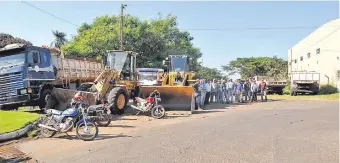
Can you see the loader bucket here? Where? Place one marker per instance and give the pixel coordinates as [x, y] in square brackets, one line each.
[173, 97]
[60, 99]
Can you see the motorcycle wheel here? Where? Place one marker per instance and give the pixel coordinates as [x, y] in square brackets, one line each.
[46, 132]
[88, 137]
[158, 112]
[103, 119]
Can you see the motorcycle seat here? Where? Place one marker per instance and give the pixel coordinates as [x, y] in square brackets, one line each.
[95, 107]
[54, 112]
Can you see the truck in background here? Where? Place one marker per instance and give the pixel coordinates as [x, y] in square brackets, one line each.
[29, 73]
[273, 86]
[149, 76]
[304, 82]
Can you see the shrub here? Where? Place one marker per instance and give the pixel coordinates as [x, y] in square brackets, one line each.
[327, 89]
[286, 90]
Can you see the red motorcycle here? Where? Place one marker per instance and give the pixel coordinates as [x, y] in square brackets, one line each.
[150, 104]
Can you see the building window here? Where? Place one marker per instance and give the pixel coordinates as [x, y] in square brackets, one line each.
[338, 75]
[301, 58]
[295, 61]
[337, 58]
[317, 62]
[308, 55]
[318, 51]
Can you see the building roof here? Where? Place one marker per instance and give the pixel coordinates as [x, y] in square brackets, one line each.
[333, 25]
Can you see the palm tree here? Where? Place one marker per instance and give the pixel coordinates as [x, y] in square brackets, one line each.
[60, 39]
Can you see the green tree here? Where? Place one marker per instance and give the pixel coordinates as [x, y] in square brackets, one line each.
[153, 40]
[59, 39]
[209, 73]
[262, 66]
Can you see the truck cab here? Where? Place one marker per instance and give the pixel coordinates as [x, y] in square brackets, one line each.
[23, 70]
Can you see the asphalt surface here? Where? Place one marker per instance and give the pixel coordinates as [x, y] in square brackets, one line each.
[281, 131]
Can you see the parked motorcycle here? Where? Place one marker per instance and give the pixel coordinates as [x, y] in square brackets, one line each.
[64, 121]
[101, 112]
[150, 104]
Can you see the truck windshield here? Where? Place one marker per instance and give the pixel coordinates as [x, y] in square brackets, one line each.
[178, 64]
[15, 59]
[148, 75]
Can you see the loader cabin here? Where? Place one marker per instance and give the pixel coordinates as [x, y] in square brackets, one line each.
[176, 66]
[124, 62]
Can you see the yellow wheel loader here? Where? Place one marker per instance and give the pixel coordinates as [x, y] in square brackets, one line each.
[176, 90]
[116, 84]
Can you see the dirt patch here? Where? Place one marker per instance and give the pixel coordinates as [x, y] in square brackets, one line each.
[10, 154]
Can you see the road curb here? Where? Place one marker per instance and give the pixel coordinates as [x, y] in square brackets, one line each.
[16, 133]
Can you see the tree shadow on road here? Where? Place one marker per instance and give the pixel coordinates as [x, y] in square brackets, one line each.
[122, 126]
[110, 136]
[172, 116]
[99, 137]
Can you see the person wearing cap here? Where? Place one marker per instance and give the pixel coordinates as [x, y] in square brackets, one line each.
[213, 91]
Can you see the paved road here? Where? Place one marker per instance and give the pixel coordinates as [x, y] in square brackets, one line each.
[283, 131]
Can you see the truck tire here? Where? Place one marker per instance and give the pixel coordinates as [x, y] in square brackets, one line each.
[119, 98]
[43, 98]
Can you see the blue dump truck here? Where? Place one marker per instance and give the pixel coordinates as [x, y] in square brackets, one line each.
[29, 73]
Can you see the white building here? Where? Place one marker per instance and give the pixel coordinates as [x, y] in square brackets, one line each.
[319, 52]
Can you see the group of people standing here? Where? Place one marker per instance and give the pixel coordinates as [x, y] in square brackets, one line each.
[223, 91]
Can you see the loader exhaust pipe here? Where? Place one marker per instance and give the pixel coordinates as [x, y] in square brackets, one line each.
[48, 127]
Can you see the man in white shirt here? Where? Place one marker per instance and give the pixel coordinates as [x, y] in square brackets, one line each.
[208, 89]
[230, 90]
[213, 91]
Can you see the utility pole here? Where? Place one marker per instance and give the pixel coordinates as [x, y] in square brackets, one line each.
[121, 25]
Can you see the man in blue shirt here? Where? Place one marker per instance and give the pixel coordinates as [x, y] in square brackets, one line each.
[238, 91]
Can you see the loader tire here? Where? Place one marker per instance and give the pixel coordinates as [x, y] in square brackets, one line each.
[119, 98]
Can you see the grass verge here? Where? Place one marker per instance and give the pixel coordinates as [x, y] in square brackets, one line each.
[334, 96]
[13, 120]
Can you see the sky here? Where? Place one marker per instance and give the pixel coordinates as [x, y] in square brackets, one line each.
[238, 39]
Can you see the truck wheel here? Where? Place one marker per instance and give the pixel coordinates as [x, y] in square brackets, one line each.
[119, 98]
[45, 95]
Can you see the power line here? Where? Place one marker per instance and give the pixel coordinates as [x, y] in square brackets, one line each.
[255, 28]
[195, 29]
[50, 13]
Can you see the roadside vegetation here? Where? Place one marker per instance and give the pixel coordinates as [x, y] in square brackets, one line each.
[327, 92]
[13, 120]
